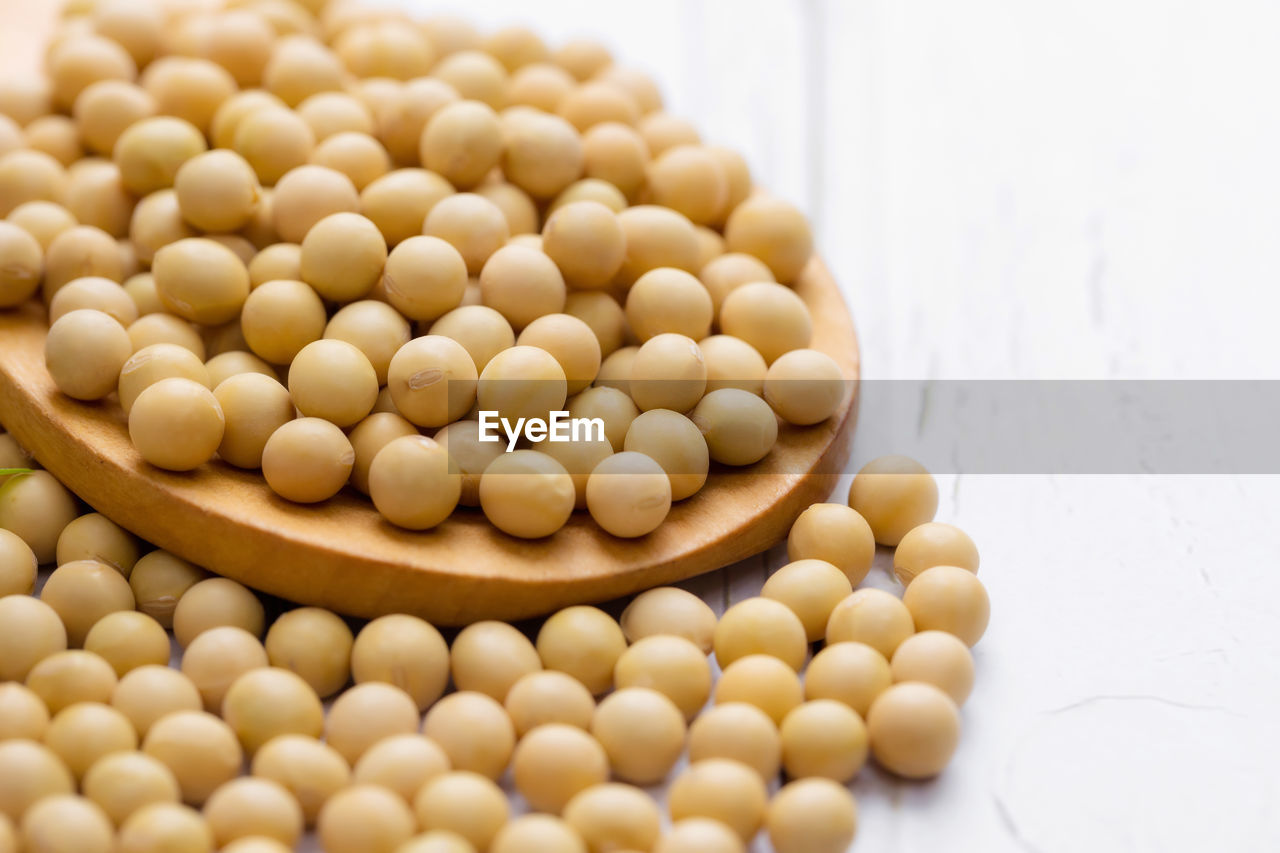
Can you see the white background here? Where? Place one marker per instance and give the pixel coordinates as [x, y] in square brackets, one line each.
[1032, 189]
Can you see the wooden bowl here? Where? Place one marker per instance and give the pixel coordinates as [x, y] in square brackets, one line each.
[343, 556]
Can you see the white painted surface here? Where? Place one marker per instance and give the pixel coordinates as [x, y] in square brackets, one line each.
[1039, 190]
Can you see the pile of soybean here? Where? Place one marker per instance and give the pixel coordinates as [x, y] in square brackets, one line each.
[295, 235]
[270, 727]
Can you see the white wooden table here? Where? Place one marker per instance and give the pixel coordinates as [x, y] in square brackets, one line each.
[1038, 190]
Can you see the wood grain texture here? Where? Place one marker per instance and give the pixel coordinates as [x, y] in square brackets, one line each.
[343, 556]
